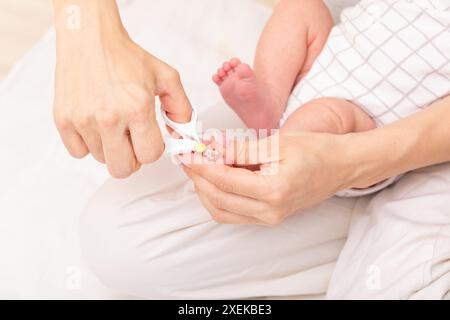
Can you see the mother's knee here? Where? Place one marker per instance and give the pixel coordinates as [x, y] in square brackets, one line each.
[131, 245]
[100, 244]
[112, 246]
[398, 244]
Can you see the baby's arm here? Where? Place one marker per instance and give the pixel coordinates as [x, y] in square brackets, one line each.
[291, 41]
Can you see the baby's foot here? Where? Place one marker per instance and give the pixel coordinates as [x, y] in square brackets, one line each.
[242, 92]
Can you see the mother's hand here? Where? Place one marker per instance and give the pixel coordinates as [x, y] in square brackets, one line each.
[299, 171]
[313, 167]
[105, 88]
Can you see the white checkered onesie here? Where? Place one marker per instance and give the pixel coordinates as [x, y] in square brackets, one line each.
[390, 57]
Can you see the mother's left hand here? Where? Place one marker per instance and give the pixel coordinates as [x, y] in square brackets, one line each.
[299, 171]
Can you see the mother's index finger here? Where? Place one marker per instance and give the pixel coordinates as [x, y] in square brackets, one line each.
[234, 180]
[244, 152]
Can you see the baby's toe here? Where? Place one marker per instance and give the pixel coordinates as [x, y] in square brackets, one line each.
[227, 67]
[217, 80]
[221, 72]
[235, 62]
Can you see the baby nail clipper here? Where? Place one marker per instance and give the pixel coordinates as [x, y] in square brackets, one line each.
[189, 141]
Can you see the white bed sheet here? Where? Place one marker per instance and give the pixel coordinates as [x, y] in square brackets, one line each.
[43, 190]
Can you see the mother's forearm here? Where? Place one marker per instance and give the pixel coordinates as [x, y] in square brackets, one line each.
[80, 22]
[420, 140]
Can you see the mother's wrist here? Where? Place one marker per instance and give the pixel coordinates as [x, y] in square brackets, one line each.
[83, 24]
[375, 156]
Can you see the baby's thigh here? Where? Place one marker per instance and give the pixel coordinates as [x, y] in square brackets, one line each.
[328, 115]
[399, 242]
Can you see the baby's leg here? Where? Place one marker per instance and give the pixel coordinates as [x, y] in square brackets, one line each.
[292, 39]
[329, 115]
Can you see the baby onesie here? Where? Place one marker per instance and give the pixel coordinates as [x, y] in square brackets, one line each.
[390, 57]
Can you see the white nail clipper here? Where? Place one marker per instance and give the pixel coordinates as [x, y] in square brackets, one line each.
[189, 141]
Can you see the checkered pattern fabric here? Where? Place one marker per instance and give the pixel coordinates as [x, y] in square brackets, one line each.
[391, 57]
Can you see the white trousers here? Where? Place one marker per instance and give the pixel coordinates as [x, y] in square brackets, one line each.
[149, 237]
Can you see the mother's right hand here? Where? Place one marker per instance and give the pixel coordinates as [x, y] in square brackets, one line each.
[104, 102]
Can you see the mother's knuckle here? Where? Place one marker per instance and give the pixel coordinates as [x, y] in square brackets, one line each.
[150, 156]
[82, 121]
[216, 201]
[62, 121]
[138, 112]
[278, 193]
[107, 119]
[217, 217]
[120, 172]
[225, 187]
[275, 219]
[275, 198]
[78, 152]
[172, 75]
